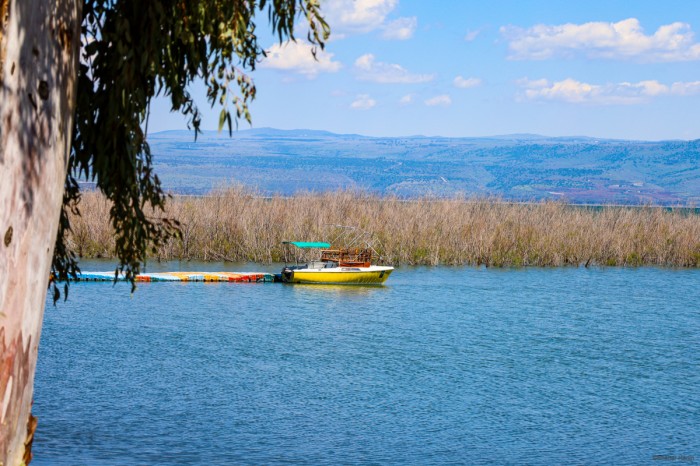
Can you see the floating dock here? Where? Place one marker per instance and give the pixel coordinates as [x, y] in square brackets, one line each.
[231, 277]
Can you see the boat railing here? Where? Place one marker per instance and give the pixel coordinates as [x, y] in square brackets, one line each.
[348, 257]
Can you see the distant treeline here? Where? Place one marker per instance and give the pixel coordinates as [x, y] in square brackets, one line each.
[238, 225]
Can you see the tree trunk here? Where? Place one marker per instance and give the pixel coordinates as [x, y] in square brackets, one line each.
[39, 48]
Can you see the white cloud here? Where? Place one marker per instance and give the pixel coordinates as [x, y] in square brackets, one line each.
[443, 100]
[297, 57]
[690, 88]
[466, 83]
[363, 102]
[385, 73]
[650, 88]
[407, 99]
[624, 93]
[622, 40]
[400, 29]
[356, 16]
[471, 35]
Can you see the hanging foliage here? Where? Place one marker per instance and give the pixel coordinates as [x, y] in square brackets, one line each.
[133, 51]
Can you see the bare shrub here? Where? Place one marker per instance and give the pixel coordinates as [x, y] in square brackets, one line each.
[237, 224]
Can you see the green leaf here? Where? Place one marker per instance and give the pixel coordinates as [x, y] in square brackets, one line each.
[222, 118]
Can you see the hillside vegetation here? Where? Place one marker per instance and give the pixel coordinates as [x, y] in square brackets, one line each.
[238, 225]
[522, 167]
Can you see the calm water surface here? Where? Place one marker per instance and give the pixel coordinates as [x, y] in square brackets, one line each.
[442, 365]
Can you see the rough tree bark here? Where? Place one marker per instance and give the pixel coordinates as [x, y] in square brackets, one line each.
[39, 48]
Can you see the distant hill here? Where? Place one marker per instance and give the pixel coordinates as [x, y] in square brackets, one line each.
[520, 166]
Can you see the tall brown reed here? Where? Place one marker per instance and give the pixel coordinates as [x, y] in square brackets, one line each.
[237, 225]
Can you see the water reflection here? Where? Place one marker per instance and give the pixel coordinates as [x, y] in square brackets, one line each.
[330, 290]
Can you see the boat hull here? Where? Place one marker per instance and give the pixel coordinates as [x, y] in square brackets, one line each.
[374, 275]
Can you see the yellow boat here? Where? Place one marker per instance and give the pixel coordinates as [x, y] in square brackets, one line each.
[344, 266]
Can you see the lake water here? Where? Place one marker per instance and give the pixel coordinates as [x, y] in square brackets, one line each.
[441, 365]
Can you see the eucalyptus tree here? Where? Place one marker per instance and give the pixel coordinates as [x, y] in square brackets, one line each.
[76, 81]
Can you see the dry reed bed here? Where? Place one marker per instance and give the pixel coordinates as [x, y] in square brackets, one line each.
[237, 225]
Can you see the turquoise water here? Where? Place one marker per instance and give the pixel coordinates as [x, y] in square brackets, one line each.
[442, 365]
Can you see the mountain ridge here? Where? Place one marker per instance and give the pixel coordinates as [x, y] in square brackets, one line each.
[266, 131]
[579, 169]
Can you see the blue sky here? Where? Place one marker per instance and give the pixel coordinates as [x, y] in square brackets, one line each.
[614, 69]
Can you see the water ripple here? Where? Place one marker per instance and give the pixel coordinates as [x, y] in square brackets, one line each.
[441, 366]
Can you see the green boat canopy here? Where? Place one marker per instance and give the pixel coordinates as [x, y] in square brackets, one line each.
[308, 244]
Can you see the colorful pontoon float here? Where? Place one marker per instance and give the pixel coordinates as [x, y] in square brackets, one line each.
[235, 277]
